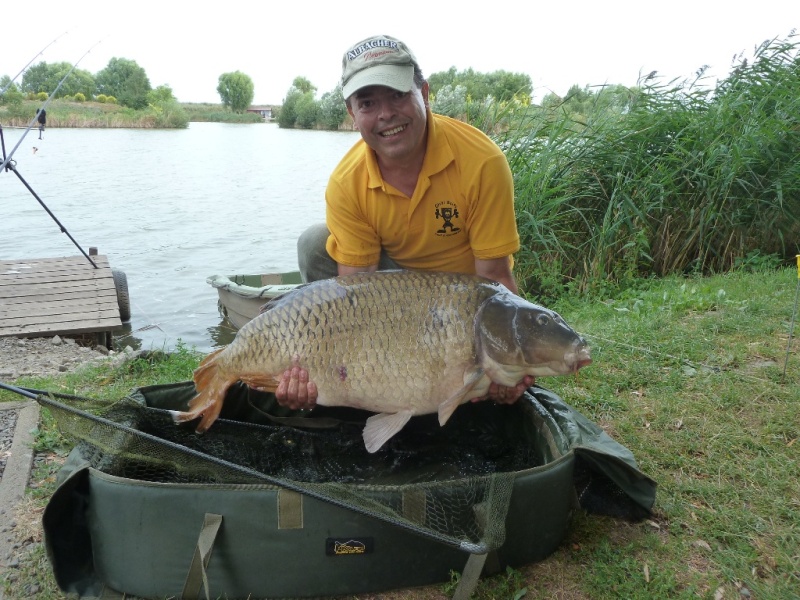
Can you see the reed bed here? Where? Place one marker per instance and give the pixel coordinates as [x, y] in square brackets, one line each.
[686, 178]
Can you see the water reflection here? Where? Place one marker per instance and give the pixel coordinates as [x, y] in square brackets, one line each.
[222, 334]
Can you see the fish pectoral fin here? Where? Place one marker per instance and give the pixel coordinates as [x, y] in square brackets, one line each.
[381, 427]
[448, 407]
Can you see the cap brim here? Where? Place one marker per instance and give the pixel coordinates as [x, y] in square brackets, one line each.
[397, 77]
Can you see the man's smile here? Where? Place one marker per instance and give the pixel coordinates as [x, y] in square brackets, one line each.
[393, 131]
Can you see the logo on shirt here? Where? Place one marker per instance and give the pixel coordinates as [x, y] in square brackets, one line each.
[447, 211]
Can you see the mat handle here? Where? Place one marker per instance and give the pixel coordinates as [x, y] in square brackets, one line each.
[470, 576]
[197, 576]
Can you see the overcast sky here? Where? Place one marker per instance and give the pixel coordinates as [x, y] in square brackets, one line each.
[188, 45]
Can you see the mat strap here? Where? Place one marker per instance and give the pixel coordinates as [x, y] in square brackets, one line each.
[469, 578]
[197, 576]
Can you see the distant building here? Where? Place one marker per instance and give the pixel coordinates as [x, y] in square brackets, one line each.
[264, 110]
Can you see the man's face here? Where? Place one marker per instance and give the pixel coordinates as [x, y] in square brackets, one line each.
[392, 123]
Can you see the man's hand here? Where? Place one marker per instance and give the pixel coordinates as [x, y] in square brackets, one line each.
[295, 391]
[501, 394]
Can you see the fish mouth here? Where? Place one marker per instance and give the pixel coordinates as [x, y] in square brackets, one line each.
[578, 359]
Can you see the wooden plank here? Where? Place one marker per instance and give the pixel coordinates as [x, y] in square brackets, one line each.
[33, 321]
[21, 267]
[78, 327]
[74, 293]
[57, 307]
[22, 290]
[62, 295]
[73, 259]
[57, 277]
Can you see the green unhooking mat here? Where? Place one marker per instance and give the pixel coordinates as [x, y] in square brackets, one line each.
[271, 503]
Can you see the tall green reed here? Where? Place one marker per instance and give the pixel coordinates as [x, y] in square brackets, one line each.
[685, 177]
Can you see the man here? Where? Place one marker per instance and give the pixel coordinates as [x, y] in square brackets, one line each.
[419, 191]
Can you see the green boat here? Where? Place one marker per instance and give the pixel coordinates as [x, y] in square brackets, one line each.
[242, 296]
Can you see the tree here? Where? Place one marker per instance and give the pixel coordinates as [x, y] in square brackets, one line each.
[168, 112]
[506, 86]
[126, 81]
[37, 79]
[332, 109]
[12, 96]
[44, 77]
[503, 86]
[307, 111]
[585, 101]
[236, 91]
[304, 85]
[161, 95]
[450, 101]
[438, 80]
[288, 114]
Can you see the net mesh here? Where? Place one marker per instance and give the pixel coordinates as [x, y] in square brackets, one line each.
[451, 483]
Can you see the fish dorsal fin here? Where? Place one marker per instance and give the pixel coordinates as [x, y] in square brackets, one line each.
[381, 427]
[471, 379]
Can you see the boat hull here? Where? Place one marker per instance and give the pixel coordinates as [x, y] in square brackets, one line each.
[240, 297]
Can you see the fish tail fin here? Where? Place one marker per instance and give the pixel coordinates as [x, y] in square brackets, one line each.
[211, 388]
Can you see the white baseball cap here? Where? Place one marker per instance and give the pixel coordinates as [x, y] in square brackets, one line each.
[378, 60]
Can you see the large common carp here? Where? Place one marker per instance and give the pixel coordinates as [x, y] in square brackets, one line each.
[398, 343]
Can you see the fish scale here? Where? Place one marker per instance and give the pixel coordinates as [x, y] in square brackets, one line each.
[398, 343]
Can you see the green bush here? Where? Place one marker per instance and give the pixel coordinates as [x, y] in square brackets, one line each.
[79, 97]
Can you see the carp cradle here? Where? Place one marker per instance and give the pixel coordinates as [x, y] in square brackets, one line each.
[495, 481]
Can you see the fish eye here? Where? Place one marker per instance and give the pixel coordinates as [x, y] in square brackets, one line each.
[542, 320]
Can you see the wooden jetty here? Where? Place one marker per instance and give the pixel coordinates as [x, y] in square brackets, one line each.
[59, 296]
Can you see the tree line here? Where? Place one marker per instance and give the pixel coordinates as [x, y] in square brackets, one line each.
[449, 91]
[121, 82]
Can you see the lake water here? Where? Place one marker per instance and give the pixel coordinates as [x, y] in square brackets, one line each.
[170, 208]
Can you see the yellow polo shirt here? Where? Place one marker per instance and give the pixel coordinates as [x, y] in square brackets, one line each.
[462, 207]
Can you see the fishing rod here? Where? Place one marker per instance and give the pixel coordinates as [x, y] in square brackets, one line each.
[10, 165]
[3, 91]
[18, 390]
[50, 212]
[45, 105]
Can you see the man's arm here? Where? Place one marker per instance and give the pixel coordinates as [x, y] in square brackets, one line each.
[496, 269]
[345, 270]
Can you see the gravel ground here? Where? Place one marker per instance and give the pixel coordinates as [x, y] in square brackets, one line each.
[8, 418]
[31, 357]
[22, 357]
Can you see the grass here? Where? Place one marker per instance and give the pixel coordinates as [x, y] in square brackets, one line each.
[172, 115]
[688, 374]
